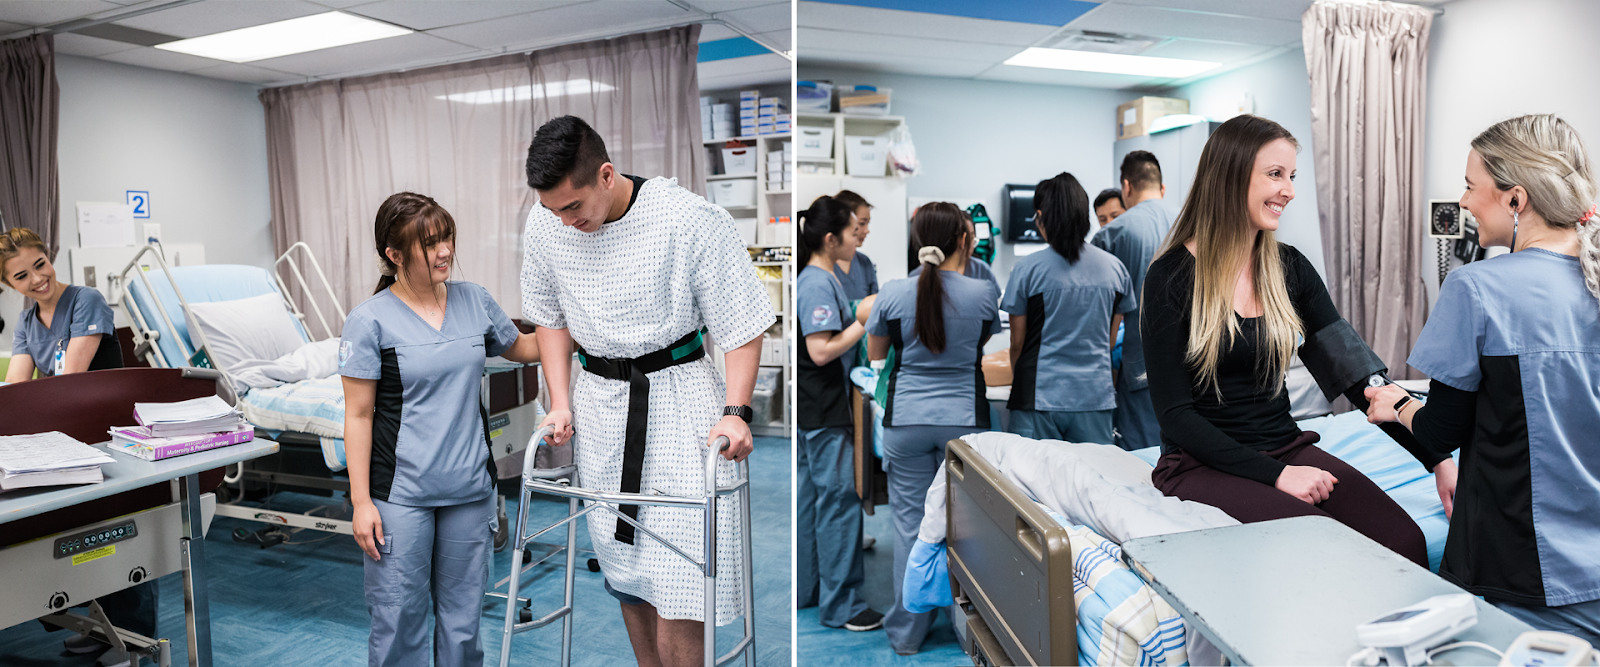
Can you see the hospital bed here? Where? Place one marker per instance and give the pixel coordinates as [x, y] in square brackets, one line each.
[306, 416]
[66, 546]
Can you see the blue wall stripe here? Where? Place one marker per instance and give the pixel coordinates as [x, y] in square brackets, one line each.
[1042, 12]
[723, 49]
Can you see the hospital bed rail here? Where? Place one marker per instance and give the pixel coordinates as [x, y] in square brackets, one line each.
[564, 482]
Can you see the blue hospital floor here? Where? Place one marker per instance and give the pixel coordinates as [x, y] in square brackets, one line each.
[301, 604]
[818, 645]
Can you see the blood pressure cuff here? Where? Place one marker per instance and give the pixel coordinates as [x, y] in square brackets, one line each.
[1339, 359]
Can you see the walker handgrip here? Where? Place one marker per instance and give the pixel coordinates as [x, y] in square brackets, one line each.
[721, 444]
[533, 446]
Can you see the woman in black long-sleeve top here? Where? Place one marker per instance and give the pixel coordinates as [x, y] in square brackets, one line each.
[1226, 305]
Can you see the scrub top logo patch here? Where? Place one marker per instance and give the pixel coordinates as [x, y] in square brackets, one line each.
[344, 352]
[821, 314]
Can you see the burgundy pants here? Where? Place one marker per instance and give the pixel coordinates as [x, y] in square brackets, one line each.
[1355, 501]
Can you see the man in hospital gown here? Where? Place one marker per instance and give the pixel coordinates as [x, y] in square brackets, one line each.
[630, 270]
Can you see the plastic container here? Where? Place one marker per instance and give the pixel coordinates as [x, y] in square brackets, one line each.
[747, 229]
[814, 142]
[813, 97]
[733, 193]
[866, 156]
[864, 100]
[739, 160]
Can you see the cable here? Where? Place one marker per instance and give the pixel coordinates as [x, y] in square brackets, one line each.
[1476, 645]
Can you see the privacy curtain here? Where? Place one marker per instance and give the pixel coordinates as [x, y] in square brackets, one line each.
[460, 134]
[30, 108]
[1368, 63]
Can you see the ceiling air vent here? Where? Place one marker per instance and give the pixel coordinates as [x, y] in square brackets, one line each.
[1105, 42]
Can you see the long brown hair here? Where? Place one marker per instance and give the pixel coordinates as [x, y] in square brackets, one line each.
[1217, 216]
[940, 225]
[407, 220]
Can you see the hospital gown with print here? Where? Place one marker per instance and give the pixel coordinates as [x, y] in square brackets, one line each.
[672, 264]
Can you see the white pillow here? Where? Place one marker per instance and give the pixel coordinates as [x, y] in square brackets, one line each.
[259, 327]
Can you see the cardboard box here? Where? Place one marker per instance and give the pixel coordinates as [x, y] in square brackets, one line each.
[1134, 118]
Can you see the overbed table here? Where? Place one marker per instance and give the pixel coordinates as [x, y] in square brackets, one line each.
[1292, 591]
[129, 473]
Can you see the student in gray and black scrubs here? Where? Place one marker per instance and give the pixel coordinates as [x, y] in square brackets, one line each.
[417, 441]
[938, 323]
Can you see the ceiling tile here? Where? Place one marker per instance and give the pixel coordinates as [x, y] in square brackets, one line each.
[1067, 78]
[342, 4]
[1286, 10]
[778, 38]
[895, 45]
[917, 24]
[718, 6]
[564, 24]
[247, 74]
[88, 47]
[761, 19]
[154, 58]
[712, 32]
[206, 18]
[1217, 52]
[11, 27]
[389, 54]
[430, 14]
[45, 12]
[890, 64]
[1169, 23]
[748, 71]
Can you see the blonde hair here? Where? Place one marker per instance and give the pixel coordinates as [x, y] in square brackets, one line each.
[12, 242]
[1544, 155]
[1216, 215]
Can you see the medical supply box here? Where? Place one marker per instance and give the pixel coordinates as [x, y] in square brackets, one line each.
[1134, 118]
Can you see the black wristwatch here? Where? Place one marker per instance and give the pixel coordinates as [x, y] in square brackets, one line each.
[744, 412]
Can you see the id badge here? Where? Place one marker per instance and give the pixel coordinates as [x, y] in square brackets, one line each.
[60, 365]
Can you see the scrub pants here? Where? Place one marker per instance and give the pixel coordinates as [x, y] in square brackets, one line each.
[440, 553]
[1136, 417]
[828, 567]
[1581, 620]
[1078, 426]
[912, 456]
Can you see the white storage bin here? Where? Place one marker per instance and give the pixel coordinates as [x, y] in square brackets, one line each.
[739, 160]
[866, 156]
[814, 142]
[747, 229]
[733, 193]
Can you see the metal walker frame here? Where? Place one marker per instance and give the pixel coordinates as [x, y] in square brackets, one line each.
[563, 482]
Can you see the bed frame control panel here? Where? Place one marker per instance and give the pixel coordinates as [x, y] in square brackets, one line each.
[98, 538]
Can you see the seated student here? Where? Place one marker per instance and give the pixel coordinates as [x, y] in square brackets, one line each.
[1108, 205]
[1224, 304]
[1065, 308]
[69, 329]
[938, 322]
[1514, 361]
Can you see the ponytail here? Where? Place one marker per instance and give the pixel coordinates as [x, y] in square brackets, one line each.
[827, 215]
[938, 232]
[1063, 207]
[395, 227]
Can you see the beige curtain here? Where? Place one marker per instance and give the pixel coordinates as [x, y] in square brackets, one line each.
[30, 111]
[1368, 63]
[460, 134]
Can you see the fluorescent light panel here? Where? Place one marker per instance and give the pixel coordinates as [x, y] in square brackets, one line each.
[1110, 63]
[271, 40]
[522, 93]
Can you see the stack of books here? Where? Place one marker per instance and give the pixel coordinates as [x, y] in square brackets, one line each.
[166, 430]
[48, 459]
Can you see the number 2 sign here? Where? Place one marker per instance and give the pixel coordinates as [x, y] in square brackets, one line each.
[140, 201]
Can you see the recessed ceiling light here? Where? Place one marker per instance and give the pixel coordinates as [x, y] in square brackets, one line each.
[521, 93]
[270, 40]
[1110, 63]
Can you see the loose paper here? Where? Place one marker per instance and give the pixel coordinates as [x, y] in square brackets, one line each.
[104, 224]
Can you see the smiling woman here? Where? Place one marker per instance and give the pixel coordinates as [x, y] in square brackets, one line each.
[68, 329]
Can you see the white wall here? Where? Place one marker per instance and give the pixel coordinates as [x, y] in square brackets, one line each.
[973, 137]
[1282, 92]
[198, 145]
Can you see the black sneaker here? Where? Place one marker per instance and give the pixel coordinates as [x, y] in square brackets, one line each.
[864, 621]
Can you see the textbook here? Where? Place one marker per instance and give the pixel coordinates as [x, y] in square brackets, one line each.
[138, 441]
[192, 417]
[48, 459]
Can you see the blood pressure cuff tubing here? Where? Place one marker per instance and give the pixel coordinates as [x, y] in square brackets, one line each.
[1339, 359]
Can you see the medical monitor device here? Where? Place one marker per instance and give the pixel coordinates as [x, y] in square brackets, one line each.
[1017, 202]
[1548, 649]
[1403, 636]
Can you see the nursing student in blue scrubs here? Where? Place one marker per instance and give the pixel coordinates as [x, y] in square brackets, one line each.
[1514, 361]
[938, 323]
[829, 567]
[1065, 308]
[68, 329]
[417, 442]
[858, 275]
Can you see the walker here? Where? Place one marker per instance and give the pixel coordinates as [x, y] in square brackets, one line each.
[563, 482]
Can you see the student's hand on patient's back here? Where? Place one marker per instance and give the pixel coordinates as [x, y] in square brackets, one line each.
[562, 421]
[864, 310]
[740, 442]
[1444, 478]
[1306, 483]
[368, 527]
